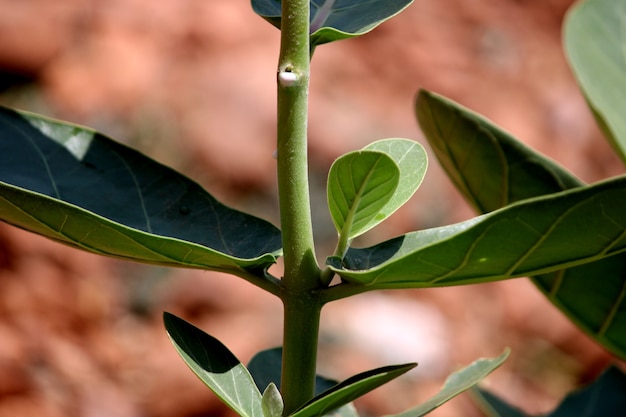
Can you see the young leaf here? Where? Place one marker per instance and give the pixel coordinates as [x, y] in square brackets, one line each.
[73, 185]
[530, 237]
[412, 161]
[360, 184]
[604, 397]
[216, 366]
[594, 43]
[456, 383]
[272, 402]
[351, 389]
[333, 20]
[493, 169]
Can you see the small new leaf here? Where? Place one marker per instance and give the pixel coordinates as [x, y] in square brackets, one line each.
[360, 184]
[272, 402]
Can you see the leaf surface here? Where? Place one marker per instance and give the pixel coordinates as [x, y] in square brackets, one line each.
[350, 389]
[76, 186]
[333, 20]
[265, 368]
[530, 237]
[457, 383]
[594, 39]
[360, 184]
[604, 397]
[216, 366]
[412, 161]
[493, 169]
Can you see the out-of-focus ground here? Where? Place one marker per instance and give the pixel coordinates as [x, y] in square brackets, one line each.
[191, 83]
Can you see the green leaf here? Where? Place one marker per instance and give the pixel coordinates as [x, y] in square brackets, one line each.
[487, 165]
[412, 161]
[216, 366]
[351, 389]
[492, 170]
[492, 406]
[604, 397]
[76, 186]
[272, 402]
[333, 20]
[530, 237]
[594, 41]
[456, 383]
[265, 368]
[360, 184]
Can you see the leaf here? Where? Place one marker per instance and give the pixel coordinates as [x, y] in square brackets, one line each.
[360, 184]
[604, 397]
[412, 161]
[530, 237]
[456, 383]
[594, 41]
[272, 402]
[265, 368]
[333, 20]
[76, 186]
[492, 170]
[216, 366]
[488, 166]
[493, 406]
[351, 389]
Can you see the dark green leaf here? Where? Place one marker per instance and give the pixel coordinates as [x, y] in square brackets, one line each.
[493, 406]
[265, 368]
[76, 186]
[350, 389]
[492, 170]
[530, 237]
[457, 383]
[594, 40]
[332, 20]
[216, 366]
[602, 398]
[360, 184]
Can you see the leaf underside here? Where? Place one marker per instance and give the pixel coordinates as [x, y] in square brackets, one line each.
[216, 366]
[333, 20]
[73, 185]
[594, 40]
[603, 397]
[492, 170]
[457, 383]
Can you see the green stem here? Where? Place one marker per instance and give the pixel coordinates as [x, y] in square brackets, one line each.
[301, 329]
[301, 279]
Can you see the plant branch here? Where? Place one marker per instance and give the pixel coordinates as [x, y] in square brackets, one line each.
[301, 278]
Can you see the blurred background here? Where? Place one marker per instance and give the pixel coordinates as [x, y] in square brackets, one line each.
[192, 84]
